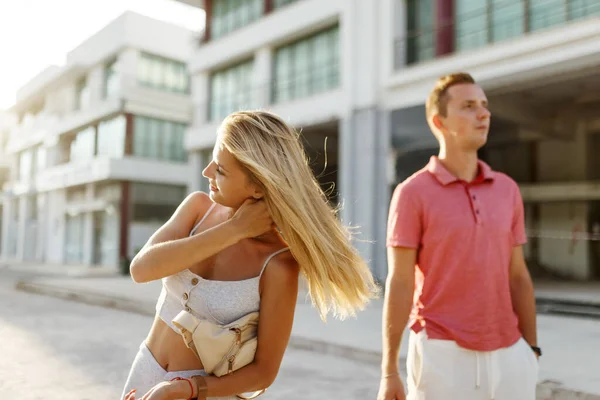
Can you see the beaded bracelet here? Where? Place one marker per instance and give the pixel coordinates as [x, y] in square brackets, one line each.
[188, 381]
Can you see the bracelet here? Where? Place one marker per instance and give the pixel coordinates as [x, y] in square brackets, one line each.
[390, 375]
[188, 381]
[202, 386]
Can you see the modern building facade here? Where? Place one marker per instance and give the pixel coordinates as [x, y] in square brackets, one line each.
[97, 155]
[357, 73]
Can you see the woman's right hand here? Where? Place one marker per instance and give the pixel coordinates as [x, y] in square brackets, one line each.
[252, 219]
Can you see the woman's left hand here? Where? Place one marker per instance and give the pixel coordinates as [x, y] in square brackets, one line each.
[162, 391]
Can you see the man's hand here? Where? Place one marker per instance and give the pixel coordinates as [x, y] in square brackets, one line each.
[391, 388]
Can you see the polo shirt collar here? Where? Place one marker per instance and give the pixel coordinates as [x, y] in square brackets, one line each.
[445, 177]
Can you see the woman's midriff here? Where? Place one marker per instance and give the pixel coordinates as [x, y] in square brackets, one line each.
[168, 348]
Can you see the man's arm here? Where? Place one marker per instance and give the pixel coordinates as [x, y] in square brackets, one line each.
[522, 294]
[399, 291]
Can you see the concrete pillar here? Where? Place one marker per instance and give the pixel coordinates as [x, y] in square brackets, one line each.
[364, 186]
[88, 228]
[128, 63]
[21, 227]
[200, 83]
[7, 214]
[262, 77]
[195, 164]
[364, 132]
[95, 82]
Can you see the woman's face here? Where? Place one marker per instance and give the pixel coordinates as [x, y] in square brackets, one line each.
[230, 184]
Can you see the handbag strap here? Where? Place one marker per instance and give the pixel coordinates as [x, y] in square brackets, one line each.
[252, 396]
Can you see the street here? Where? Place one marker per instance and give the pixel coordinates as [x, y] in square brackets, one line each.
[56, 349]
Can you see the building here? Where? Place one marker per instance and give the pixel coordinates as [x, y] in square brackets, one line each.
[358, 73]
[97, 155]
[7, 122]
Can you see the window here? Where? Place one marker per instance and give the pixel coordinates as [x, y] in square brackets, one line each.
[507, 18]
[231, 90]
[83, 145]
[420, 18]
[111, 137]
[306, 67]
[471, 24]
[163, 74]
[82, 95]
[229, 15]
[111, 80]
[159, 139]
[280, 3]
[155, 202]
[583, 8]
[25, 166]
[479, 22]
[545, 13]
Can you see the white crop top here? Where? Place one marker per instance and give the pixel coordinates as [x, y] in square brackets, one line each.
[220, 301]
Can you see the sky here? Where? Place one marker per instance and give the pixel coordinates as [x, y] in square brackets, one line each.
[37, 33]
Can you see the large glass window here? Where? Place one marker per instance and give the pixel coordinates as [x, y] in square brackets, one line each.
[163, 74]
[308, 66]
[111, 79]
[231, 90]
[159, 139]
[545, 13]
[82, 94]
[280, 3]
[83, 145]
[229, 15]
[154, 202]
[471, 24]
[111, 137]
[507, 18]
[420, 18]
[583, 8]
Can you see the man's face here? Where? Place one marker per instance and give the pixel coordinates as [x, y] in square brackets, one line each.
[467, 120]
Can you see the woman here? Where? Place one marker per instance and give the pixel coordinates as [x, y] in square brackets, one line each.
[241, 250]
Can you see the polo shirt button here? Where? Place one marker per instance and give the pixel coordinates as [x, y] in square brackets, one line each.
[187, 309]
[195, 281]
[474, 197]
[185, 296]
[477, 211]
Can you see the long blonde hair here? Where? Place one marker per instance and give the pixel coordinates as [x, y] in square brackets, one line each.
[338, 279]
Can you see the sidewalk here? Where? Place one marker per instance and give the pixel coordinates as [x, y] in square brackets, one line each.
[569, 368]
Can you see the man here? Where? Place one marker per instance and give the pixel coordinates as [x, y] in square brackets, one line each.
[455, 232]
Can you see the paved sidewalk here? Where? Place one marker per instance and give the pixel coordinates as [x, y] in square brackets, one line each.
[569, 368]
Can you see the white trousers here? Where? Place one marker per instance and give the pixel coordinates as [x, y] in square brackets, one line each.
[441, 370]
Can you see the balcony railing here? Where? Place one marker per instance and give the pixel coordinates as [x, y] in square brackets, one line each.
[496, 22]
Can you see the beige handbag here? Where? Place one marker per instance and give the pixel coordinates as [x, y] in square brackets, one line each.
[222, 349]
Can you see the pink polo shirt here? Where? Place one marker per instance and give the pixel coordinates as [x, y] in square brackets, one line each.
[464, 233]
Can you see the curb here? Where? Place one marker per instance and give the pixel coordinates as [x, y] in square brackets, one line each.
[94, 299]
[546, 390]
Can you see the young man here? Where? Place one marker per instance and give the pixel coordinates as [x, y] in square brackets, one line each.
[457, 273]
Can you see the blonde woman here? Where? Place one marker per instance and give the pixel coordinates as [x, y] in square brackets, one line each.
[241, 250]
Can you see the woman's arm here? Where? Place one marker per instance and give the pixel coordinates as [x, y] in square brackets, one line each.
[277, 306]
[171, 250]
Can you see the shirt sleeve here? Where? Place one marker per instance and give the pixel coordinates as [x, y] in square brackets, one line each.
[404, 220]
[518, 224]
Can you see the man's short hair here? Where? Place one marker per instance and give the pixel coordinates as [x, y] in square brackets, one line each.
[437, 102]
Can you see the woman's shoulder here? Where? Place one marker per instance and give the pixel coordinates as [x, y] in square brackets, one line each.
[282, 267]
[199, 202]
